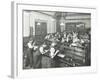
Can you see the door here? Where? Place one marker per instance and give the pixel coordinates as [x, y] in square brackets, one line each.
[40, 30]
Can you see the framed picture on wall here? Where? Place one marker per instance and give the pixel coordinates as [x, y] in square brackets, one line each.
[52, 40]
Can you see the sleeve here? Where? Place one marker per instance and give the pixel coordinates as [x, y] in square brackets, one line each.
[29, 45]
[52, 51]
[41, 50]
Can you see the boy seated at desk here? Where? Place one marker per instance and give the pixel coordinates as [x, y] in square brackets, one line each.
[53, 50]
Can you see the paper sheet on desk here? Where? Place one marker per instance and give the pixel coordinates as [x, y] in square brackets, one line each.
[61, 55]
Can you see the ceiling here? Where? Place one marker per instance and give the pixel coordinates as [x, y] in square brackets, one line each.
[63, 14]
[58, 15]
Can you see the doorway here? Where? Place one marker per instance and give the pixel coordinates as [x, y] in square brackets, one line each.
[40, 30]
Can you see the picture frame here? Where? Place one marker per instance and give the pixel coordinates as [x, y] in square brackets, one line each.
[17, 40]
